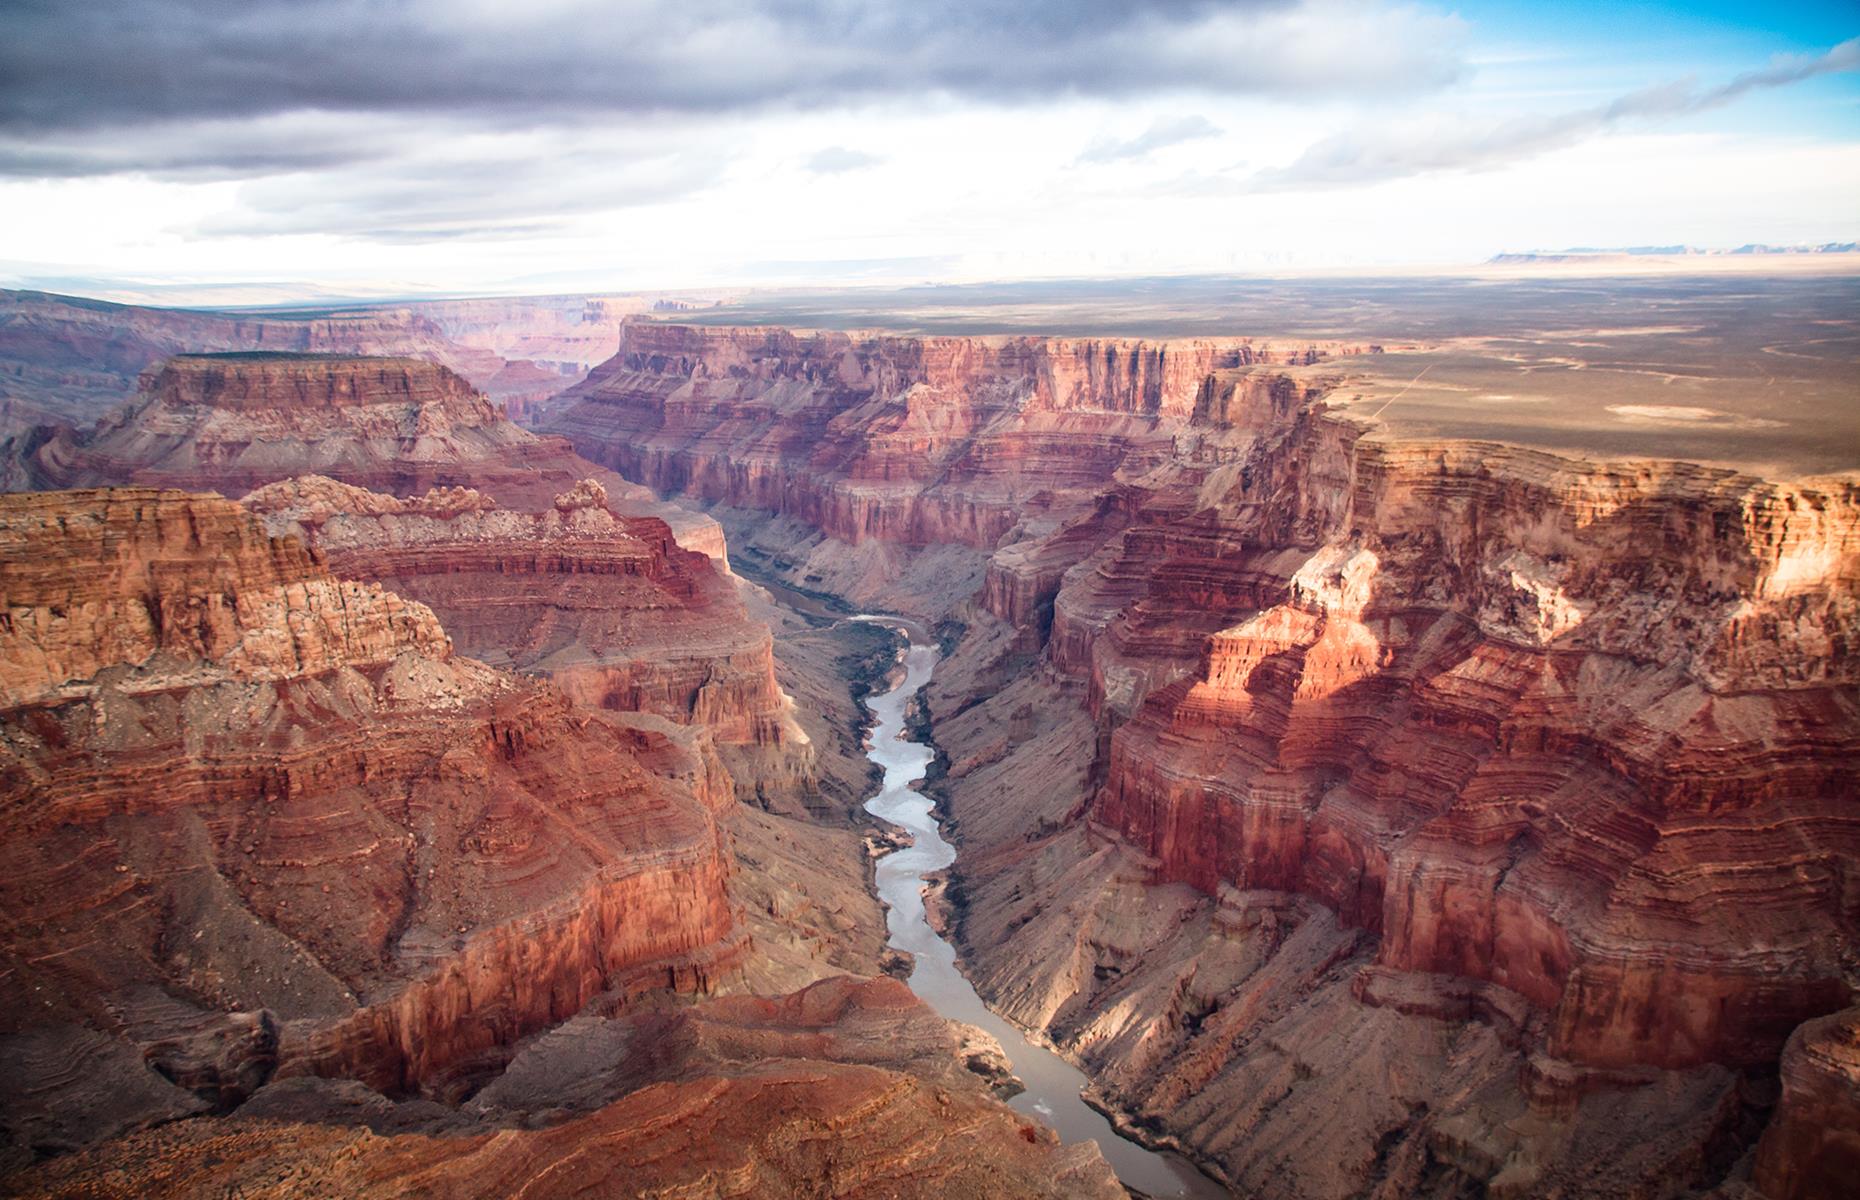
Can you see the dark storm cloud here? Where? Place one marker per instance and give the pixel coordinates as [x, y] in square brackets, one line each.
[68, 67]
[203, 150]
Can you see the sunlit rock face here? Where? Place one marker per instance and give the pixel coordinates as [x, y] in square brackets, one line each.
[1282, 750]
[260, 821]
[530, 562]
[1530, 721]
[1552, 753]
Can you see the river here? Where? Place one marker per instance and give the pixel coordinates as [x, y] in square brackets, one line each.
[1053, 1084]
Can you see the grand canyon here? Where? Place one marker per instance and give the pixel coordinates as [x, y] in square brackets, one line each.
[403, 798]
[791, 600]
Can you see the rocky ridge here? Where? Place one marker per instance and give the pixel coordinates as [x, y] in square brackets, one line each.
[844, 1089]
[65, 360]
[234, 422]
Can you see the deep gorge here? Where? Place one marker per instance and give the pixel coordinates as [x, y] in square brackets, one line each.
[1364, 815]
[1416, 757]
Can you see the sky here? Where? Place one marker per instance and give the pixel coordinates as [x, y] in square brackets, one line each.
[400, 147]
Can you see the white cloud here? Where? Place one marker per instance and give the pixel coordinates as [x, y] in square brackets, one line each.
[837, 160]
[1463, 141]
[1162, 133]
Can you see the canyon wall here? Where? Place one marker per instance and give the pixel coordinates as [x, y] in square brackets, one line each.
[234, 422]
[1490, 658]
[261, 820]
[300, 897]
[1531, 774]
[611, 607]
[879, 442]
[546, 563]
[1488, 738]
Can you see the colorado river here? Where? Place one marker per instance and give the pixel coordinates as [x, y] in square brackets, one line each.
[1053, 1085]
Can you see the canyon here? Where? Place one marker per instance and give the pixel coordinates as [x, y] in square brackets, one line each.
[1363, 813]
[411, 864]
[1485, 809]
[291, 880]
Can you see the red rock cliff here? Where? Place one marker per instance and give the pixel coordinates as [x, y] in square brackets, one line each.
[916, 441]
[1577, 737]
[1450, 735]
[261, 820]
[233, 422]
[1529, 721]
[610, 606]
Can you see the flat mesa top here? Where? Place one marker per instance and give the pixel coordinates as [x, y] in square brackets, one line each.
[1775, 394]
[267, 379]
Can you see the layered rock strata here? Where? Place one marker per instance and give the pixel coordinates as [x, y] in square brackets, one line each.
[618, 614]
[234, 422]
[882, 442]
[263, 822]
[1282, 751]
[1487, 738]
[1489, 660]
[67, 360]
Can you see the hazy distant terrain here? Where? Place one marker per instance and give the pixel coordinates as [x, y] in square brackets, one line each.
[1758, 372]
